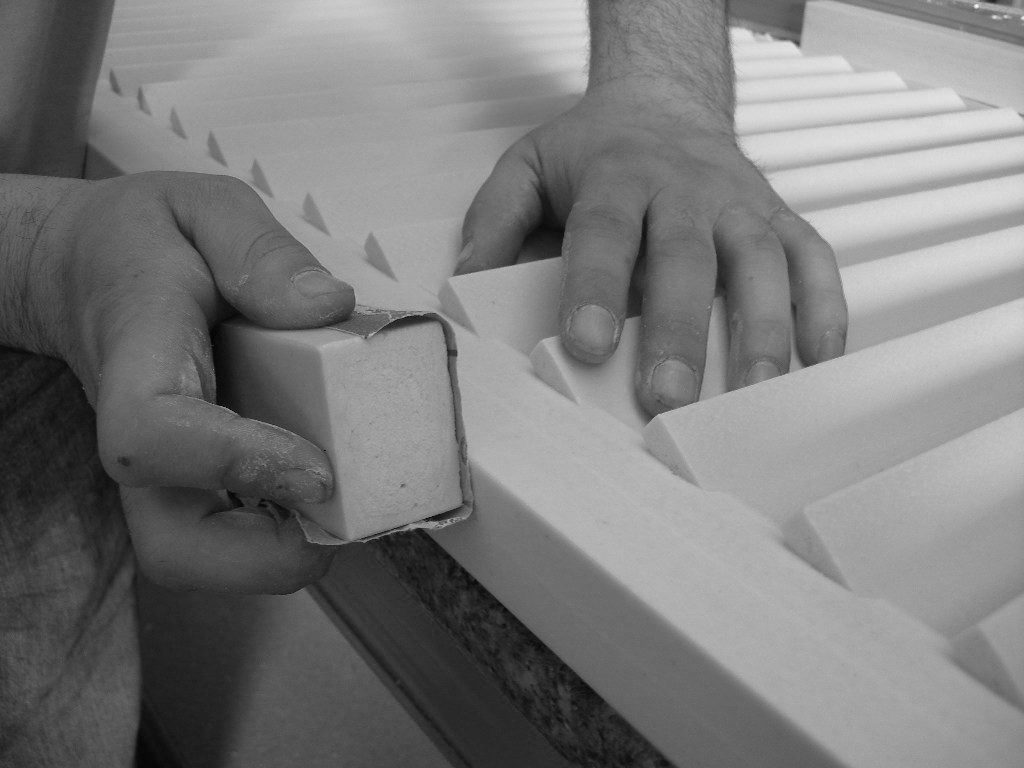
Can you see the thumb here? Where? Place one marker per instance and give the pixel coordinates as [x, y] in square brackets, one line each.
[258, 266]
[507, 208]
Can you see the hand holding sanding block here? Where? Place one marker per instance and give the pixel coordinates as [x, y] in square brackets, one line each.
[378, 392]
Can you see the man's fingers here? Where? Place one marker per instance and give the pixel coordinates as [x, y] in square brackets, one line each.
[602, 241]
[757, 296]
[260, 269]
[821, 316]
[679, 289]
[192, 539]
[156, 427]
[507, 208]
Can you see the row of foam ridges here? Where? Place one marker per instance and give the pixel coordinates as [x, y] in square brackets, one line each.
[892, 470]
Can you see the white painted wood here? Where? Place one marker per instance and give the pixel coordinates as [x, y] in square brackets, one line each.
[517, 305]
[346, 42]
[382, 410]
[289, 176]
[752, 69]
[812, 146]
[366, 205]
[237, 146]
[757, 650]
[815, 86]
[226, 36]
[610, 386]
[912, 291]
[767, 49]
[128, 77]
[939, 535]
[853, 181]
[587, 539]
[220, 73]
[886, 298]
[990, 71]
[195, 120]
[425, 253]
[993, 650]
[878, 228]
[787, 441]
[806, 113]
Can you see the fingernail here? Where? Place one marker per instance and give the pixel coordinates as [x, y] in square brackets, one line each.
[303, 485]
[674, 383]
[831, 345]
[312, 283]
[760, 371]
[464, 255]
[592, 328]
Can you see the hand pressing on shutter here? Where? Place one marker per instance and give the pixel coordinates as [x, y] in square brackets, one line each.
[645, 172]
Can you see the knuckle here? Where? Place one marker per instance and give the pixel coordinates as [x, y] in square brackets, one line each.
[603, 218]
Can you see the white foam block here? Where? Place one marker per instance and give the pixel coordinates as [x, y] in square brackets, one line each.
[382, 408]
[790, 440]
[993, 650]
[940, 535]
[832, 143]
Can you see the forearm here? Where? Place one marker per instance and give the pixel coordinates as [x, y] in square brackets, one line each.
[50, 54]
[679, 44]
[32, 209]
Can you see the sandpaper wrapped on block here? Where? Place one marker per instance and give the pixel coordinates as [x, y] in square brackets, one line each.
[378, 392]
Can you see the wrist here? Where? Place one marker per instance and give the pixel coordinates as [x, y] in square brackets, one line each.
[35, 238]
[675, 50]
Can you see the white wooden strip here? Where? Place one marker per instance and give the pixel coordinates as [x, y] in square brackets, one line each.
[816, 86]
[782, 443]
[878, 228]
[805, 113]
[238, 145]
[291, 176]
[752, 69]
[854, 181]
[811, 146]
[940, 535]
[357, 210]
[196, 120]
[886, 298]
[993, 650]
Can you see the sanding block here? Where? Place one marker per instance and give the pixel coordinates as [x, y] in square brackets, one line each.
[378, 392]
